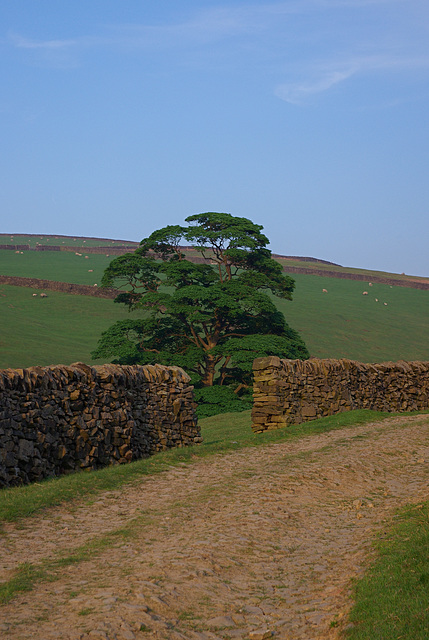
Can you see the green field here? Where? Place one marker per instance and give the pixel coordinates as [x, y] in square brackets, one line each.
[59, 329]
[54, 265]
[344, 323]
[341, 323]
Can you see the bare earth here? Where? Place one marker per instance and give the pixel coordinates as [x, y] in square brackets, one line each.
[262, 542]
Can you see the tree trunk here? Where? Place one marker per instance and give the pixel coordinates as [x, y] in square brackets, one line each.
[209, 371]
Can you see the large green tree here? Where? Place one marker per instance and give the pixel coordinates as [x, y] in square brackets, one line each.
[211, 314]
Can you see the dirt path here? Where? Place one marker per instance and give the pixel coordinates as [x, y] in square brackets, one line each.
[262, 542]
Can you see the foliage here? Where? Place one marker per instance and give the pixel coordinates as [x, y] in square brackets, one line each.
[349, 325]
[212, 316]
[221, 399]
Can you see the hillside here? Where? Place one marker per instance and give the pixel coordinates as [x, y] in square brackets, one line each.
[390, 323]
[22, 244]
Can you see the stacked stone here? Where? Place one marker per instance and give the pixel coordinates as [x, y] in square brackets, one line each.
[270, 389]
[15, 247]
[58, 419]
[65, 287]
[295, 391]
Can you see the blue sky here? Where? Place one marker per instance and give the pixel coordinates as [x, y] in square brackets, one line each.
[310, 117]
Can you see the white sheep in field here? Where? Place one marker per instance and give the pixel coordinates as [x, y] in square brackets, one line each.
[34, 295]
[43, 295]
[90, 270]
[324, 290]
[385, 304]
[376, 299]
[365, 293]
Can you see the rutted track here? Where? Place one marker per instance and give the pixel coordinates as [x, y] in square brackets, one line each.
[262, 539]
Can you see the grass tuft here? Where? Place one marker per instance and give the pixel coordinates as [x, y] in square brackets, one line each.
[392, 599]
[24, 580]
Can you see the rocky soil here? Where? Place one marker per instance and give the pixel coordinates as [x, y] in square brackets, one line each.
[258, 543]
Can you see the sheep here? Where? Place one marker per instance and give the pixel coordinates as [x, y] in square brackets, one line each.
[43, 295]
[324, 290]
[365, 293]
[34, 295]
[90, 270]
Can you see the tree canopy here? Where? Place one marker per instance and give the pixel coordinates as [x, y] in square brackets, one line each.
[207, 310]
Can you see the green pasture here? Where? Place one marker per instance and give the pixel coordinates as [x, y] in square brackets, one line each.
[65, 328]
[344, 323]
[59, 329]
[341, 323]
[61, 266]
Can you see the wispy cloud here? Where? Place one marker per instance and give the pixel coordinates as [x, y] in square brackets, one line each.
[25, 43]
[319, 79]
[311, 46]
[296, 93]
[205, 25]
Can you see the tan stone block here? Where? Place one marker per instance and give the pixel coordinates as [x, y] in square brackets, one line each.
[264, 363]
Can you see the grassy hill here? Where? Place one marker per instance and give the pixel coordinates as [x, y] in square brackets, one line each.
[59, 329]
[68, 241]
[54, 265]
[344, 323]
[64, 328]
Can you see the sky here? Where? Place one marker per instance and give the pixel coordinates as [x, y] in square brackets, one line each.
[309, 117]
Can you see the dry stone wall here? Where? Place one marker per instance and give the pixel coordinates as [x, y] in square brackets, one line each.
[294, 391]
[58, 419]
[65, 287]
[408, 281]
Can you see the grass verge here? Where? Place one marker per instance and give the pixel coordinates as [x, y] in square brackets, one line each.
[392, 599]
[222, 433]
